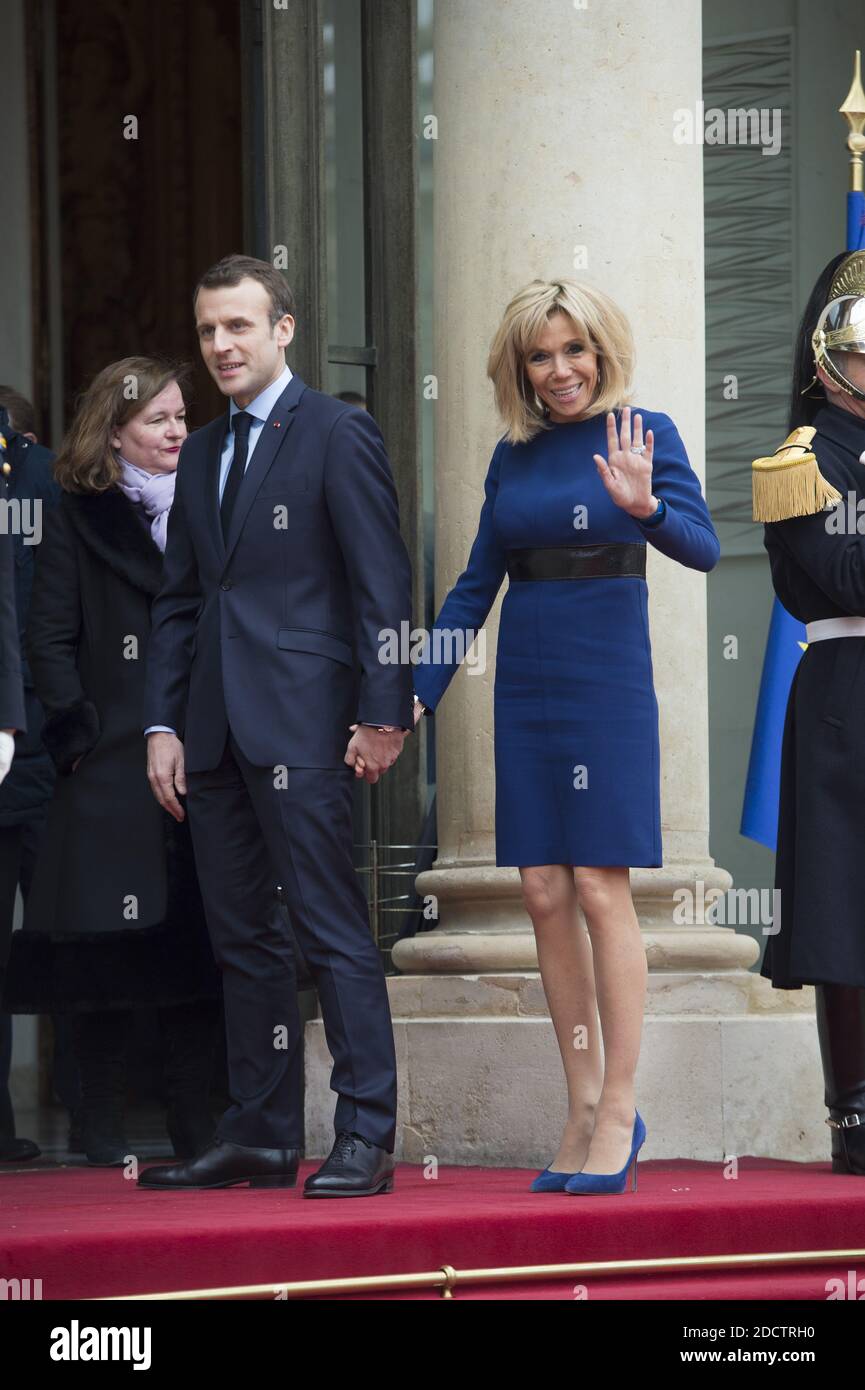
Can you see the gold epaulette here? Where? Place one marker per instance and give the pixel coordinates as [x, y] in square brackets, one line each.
[789, 483]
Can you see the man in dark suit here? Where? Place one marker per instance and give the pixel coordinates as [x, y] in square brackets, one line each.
[284, 564]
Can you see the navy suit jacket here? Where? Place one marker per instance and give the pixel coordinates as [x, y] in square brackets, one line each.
[276, 633]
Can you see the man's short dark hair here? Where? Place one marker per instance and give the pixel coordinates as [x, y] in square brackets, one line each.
[22, 416]
[232, 269]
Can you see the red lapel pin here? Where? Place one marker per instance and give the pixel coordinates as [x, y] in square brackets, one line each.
[276, 424]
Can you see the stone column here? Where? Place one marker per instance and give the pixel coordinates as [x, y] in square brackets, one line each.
[555, 156]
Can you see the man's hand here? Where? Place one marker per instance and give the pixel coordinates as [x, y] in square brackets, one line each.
[371, 753]
[7, 751]
[166, 773]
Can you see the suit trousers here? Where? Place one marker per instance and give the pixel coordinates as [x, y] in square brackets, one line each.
[18, 845]
[253, 828]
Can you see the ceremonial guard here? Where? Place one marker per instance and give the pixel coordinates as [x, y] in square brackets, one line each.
[811, 496]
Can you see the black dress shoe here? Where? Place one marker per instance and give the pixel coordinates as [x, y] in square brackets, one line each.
[16, 1150]
[225, 1165]
[355, 1167]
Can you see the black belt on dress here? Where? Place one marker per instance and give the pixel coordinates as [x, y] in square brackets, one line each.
[625, 559]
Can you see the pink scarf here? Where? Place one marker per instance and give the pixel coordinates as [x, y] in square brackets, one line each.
[152, 491]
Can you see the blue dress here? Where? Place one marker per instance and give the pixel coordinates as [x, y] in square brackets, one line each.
[577, 758]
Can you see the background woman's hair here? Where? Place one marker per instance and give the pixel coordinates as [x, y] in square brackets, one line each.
[804, 408]
[87, 460]
[599, 323]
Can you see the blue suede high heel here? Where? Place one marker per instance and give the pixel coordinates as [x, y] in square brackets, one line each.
[590, 1183]
[550, 1182]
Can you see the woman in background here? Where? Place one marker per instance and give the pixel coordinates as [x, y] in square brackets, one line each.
[114, 919]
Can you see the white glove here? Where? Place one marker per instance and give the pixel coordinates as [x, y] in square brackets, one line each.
[7, 752]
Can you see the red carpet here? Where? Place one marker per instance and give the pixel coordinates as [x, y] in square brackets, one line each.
[89, 1233]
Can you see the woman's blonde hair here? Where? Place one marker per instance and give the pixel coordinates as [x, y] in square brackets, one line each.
[87, 460]
[599, 323]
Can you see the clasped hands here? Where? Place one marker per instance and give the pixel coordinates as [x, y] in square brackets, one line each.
[371, 753]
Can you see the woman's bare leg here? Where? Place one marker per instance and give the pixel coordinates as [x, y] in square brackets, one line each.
[620, 984]
[565, 960]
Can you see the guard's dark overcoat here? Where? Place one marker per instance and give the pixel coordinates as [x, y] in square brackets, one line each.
[818, 571]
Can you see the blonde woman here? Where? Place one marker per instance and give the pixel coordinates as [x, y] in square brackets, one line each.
[577, 487]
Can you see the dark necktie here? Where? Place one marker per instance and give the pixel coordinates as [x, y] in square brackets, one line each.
[241, 425]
